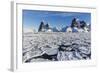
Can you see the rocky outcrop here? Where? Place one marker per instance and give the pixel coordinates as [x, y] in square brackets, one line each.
[41, 27]
[44, 27]
[76, 26]
[75, 23]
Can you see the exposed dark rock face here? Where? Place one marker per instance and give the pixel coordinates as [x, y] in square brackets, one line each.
[83, 24]
[75, 23]
[75, 26]
[43, 27]
[47, 26]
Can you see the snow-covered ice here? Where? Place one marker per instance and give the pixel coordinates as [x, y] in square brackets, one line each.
[56, 46]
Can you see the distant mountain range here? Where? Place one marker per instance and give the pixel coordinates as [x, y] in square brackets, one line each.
[76, 26]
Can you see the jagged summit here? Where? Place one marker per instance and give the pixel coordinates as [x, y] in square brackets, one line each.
[77, 25]
[44, 27]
